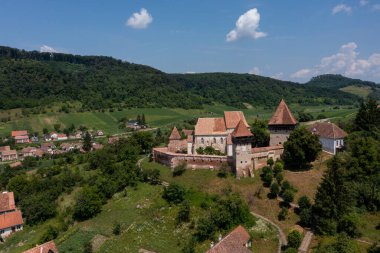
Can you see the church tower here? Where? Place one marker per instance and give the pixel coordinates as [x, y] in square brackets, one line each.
[281, 124]
[242, 140]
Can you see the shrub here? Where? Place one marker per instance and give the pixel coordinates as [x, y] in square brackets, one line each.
[183, 213]
[223, 170]
[117, 229]
[50, 234]
[152, 176]
[294, 239]
[179, 169]
[283, 213]
[274, 190]
[278, 168]
[279, 178]
[304, 202]
[88, 203]
[288, 196]
[174, 193]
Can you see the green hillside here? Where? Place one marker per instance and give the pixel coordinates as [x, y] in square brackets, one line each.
[356, 87]
[31, 79]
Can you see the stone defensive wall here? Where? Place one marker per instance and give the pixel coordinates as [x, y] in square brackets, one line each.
[170, 159]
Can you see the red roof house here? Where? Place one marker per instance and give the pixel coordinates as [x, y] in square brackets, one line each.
[47, 247]
[7, 202]
[238, 241]
[19, 133]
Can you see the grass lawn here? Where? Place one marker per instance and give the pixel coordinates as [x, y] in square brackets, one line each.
[307, 182]
[357, 90]
[251, 189]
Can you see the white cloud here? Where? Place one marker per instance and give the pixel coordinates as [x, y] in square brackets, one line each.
[376, 7]
[255, 71]
[303, 73]
[47, 49]
[363, 2]
[247, 26]
[279, 75]
[345, 62]
[342, 8]
[140, 20]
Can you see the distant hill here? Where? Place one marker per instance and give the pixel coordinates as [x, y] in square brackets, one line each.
[30, 79]
[346, 84]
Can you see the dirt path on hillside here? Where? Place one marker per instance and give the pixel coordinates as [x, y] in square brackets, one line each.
[282, 241]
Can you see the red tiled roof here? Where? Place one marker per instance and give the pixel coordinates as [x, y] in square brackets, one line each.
[9, 152]
[44, 248]
[210, 126]
[234, 242]
[282, 115]
[241, 130]
[232, 118]
[15, 164]
[327, 130]
[18, 133]
[21, 137]
[61, 135]
[188, 131]
[28, 150]
[266, 149]
[7, 201]
[5, 148]
[10, 219]
[175, 134]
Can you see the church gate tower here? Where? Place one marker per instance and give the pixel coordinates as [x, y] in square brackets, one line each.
[242, 139]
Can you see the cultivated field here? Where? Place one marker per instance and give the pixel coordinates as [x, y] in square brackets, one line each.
[156, 117]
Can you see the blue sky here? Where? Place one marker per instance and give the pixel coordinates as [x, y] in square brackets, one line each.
[289, 40]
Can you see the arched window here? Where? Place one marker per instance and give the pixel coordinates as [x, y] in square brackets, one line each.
[221, 140]
[202, 141]
[214, 140]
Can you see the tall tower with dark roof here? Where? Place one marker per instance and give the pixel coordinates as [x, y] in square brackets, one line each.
[281, 124]
[242, 150]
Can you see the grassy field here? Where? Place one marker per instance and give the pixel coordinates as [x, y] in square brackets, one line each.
[156, 117]
[357, 90]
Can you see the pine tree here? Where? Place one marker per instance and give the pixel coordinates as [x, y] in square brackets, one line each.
[334, 199]
[87, 145]
[138, 119]
[143, 120]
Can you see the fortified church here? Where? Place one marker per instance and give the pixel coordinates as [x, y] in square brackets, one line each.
[231, 136]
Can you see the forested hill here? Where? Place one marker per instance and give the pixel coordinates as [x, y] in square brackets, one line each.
[337, 81]
[29, 79]
[233, 89]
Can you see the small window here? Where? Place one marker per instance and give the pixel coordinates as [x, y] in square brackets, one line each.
[214, 140]
[221, 140]
[202, 141]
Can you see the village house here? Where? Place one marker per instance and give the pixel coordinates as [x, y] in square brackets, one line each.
[330, 136]
[47, 247]
[231, 137]
[30, 152]
[10, 217]
[20, 136]
[71, 146]
[99, 133]
[113, 139]
[6, 154]
[238, 241]
[34, 139]
[47, 147]
[61, 137]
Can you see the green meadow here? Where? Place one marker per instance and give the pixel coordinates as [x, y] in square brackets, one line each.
[156, 117]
